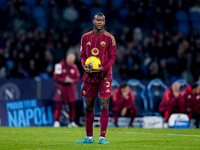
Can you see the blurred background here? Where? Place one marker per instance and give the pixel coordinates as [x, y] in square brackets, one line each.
[155, 39]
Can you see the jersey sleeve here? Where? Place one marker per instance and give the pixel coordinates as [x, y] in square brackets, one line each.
[83, 51]
[77, 77]
[111, 53]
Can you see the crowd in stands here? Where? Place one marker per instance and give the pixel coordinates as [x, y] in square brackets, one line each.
[155, 38]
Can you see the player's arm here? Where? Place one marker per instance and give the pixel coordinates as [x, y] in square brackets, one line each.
[57, 74]
[77, 77]
[111, 54]
[83, 53]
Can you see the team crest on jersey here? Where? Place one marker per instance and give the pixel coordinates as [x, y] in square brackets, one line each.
[95, 51]
[107, 84]
[103, 43]
[88, 43]
[72, 71]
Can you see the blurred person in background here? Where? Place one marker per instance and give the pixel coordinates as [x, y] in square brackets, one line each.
[123, 103]
[66, 75]
[191, 99]
[171, 102]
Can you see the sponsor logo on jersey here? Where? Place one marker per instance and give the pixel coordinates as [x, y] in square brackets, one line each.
[88, 43]
[107, 90]
[95, 51]
[103, 43]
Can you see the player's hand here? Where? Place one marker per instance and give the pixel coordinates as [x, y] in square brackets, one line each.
[98, 70]
[69, 80]
[123, 112]
[87, 70]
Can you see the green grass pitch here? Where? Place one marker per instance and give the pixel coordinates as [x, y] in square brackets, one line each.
[49, 138]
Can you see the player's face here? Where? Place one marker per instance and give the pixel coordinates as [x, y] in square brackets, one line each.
[99, 22]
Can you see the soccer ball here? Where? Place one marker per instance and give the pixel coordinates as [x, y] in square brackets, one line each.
[92, 62]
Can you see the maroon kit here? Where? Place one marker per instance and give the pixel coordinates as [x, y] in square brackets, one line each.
[102, 46]
[65, 92]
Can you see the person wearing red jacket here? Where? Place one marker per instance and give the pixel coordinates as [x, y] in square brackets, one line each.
[191, 99]
[171, 101]
[66, 75]
[123, 103]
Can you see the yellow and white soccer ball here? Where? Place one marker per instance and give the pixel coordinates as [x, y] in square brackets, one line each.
[92, 62]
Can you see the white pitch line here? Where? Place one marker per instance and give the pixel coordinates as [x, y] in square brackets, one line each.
[164, 134]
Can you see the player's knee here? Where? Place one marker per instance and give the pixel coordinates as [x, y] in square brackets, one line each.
[89, 107]
[104, 103]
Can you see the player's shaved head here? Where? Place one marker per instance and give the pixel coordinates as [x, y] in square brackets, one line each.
[175, 87]
[70, 59]
[99, 14]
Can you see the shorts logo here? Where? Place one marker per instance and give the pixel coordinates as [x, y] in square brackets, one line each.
[107, 84]
[84, 92]
[88, 43]
[9, 91]
[103, 43]
[95, 51]
[107, 90]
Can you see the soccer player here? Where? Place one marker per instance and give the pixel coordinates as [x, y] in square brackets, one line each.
[171, 102]
[66, 75]
[191, 99]
[123, 103]
[101, 44]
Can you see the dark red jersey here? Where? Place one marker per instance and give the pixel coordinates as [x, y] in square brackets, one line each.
[65, 70]
[62, 70]
[191, 100]
[120, 102]
[102, 46]
[171, 103]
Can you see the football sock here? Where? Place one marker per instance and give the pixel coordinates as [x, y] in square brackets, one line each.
[90, 137]
[89, 119]
[57, 111]
[104, 121]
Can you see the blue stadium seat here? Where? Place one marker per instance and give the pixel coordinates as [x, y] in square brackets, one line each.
[183, 84]
[194, 17]
[155, 91]
[118, 3]
[181, 16]
[87, 2]
[95, 10]
[138, 90]
[184, 27]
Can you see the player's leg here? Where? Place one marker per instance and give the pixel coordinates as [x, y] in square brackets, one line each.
[116, 115]
[72, 114]
[71, 99]
[89, 119]
[133, 112]
[89, 91]
[105, 91]
[58, 108]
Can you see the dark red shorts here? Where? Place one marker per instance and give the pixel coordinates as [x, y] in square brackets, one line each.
[91, 90]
